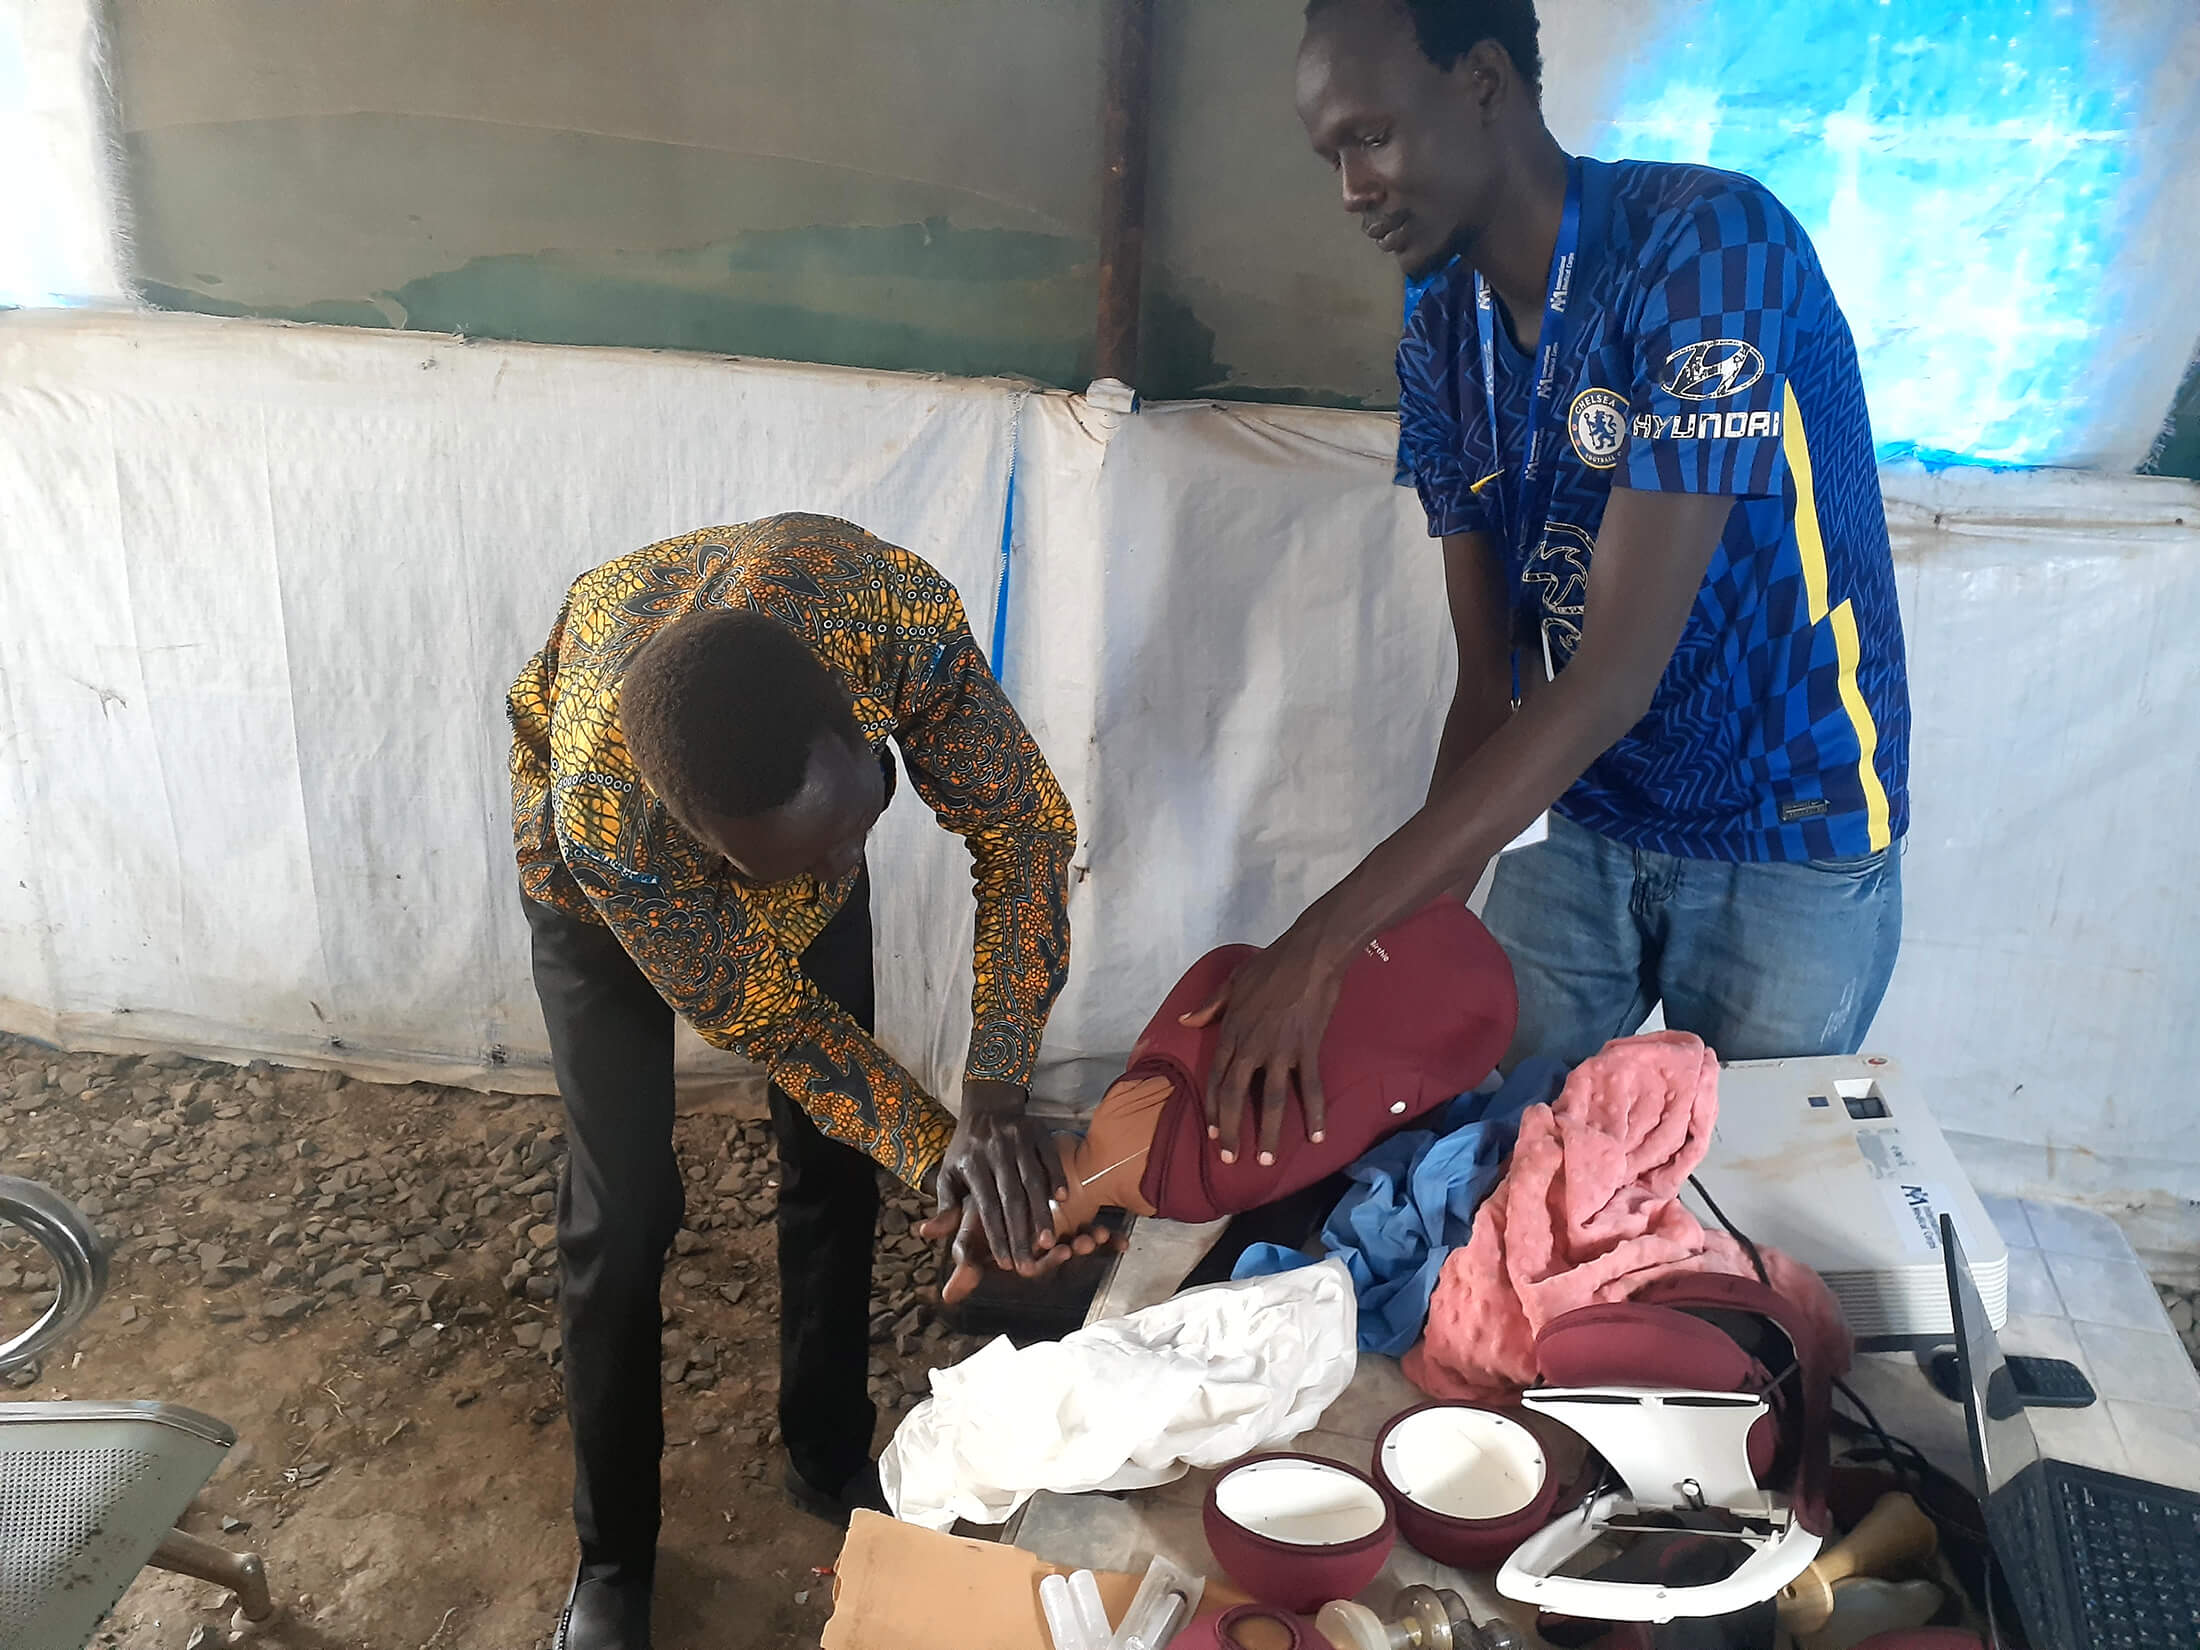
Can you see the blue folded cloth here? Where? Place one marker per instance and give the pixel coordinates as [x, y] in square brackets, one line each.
[1413, 1201]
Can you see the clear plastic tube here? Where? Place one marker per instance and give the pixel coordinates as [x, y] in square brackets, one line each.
[1158, 1624]
[1092, 1615]
[1064, 1624]
[1166, 1600]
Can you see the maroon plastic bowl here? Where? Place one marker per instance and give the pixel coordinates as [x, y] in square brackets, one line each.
[1466, 1484]
[1296, 1531]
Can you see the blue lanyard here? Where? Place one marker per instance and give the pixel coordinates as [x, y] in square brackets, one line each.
[1532, 504]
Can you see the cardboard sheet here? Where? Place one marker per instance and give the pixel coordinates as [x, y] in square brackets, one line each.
[898, 1587]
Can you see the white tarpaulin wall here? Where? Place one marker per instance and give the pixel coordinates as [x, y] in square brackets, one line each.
[261, 590]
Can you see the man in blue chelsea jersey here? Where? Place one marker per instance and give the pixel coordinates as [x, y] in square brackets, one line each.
[1632, 410]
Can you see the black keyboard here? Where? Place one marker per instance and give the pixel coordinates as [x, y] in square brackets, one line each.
[2129, 1560]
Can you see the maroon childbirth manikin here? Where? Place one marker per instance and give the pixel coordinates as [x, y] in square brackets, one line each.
[1424, 1013]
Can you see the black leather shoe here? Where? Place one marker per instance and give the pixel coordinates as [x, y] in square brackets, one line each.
[604, 1613]
[836, 1506]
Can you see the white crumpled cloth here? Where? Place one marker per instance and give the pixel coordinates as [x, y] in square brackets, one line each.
[1128, 1403]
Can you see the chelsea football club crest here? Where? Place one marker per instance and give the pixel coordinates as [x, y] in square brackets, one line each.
[1597, 422]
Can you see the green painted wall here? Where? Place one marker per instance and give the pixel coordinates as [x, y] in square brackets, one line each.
[420, 222]
[862, 182]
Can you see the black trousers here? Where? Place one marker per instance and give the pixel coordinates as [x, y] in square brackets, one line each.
[620, 1202]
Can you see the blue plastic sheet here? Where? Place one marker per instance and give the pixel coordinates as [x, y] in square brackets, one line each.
[1978, 176]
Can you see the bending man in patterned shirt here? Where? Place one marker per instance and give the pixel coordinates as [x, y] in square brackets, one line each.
[699, 752]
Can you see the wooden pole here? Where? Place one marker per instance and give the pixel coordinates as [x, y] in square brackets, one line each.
[1123, 188]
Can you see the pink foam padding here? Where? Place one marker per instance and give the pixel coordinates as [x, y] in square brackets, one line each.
[1589, 1212]
[1424, 1013]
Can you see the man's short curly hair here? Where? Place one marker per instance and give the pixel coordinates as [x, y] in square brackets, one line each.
[720, 709]
[1449, 29]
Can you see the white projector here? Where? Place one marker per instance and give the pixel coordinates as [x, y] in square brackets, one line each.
[1833, 1161]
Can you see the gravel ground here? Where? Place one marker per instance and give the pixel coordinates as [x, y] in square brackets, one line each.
[362, 1280]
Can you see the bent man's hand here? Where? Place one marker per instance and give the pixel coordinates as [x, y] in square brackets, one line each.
[972, 1256]
[1000, 1170]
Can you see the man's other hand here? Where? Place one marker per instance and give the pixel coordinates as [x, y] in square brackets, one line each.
[1001, 1171]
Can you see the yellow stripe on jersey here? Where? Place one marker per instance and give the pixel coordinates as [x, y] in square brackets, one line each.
[1812, 545]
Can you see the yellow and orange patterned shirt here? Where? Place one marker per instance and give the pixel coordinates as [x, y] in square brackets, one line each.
[596, 844]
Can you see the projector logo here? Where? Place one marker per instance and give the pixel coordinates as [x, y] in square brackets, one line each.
[1711, 370]
[1919, 1201]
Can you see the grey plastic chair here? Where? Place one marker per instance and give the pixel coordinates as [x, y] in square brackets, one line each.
[90, 1492]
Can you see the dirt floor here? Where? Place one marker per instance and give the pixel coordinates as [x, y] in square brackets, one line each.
[359, 1280]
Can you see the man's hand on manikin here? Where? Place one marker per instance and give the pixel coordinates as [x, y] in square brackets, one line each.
[1500, 770]
[1274, 1010]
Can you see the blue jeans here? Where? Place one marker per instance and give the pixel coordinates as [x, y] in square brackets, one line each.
[1762, 961]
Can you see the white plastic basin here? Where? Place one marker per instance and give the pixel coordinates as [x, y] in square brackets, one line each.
[1463, 1463]
[1302, 1503]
